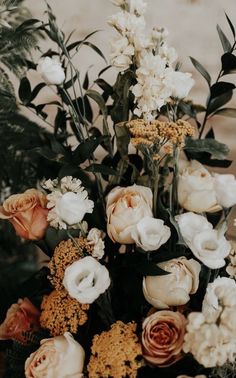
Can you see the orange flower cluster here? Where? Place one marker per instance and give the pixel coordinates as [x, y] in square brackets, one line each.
[116, 353]
[61, 313]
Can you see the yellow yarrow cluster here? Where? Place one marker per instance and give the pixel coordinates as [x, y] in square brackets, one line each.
[65, 254]
[116, 353]
[61, 313]
[159, 132]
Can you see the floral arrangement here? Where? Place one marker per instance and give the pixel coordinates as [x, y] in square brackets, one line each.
[140, 275]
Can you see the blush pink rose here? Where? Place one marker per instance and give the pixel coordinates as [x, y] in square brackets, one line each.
[162, 337]
[21, 317]
[28, 213]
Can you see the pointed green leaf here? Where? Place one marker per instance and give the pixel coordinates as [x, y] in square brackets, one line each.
[201, 70]
[224, 40]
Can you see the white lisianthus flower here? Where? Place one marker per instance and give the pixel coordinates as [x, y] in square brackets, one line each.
[125, 208]
[57, 357]
[94, 238]
[150, 233]
[86, 279]
[196, 189]
[138, 7]
[207, 245]
[225, 187]
[221, 292]
[67, 203]
[172, 289]
[121, 53]
[181, 83]
[51, 70]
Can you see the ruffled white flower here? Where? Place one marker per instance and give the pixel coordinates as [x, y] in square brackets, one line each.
[172, 289]
[51, 70]
[167, 53]
[180, 82]
[67, 203]
[231, 267]
[207, 245]
[219, 294]
[121, 53]
[150, 233]
[225, 187]
[127, 24]
[94, 238]
[137, 7]
[86, 279]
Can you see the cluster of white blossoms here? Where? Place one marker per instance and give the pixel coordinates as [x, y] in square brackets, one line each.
[152, 58]
[67, 203]
[211, 334]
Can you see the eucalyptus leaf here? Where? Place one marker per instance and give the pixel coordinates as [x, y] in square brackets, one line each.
[201, 70]
[86, 149]
[226, 112]
[228, 61]
[224, 40]
[217, 149]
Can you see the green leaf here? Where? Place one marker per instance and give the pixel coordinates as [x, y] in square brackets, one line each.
[219, 101]
[70, 82]
[36, 90]
[199, 67]
[122, 138]
[228, 61]
[95, 48]
[220, 88]
[224, 40]
[86, 149]
[217, 149]
[230, 24]
[25, 90]
[78, 43]
[226, 112]
[101, 168]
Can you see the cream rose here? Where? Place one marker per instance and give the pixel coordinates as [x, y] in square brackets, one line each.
[150, 233]
[172, 289]
[162, 337]
[27, 212]
[58, 357]
[51, 70]
[196, 190]
[225, 187]
[86, 279]
[207, 245]
[125, 208]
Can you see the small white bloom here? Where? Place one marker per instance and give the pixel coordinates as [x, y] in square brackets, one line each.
[86, 279]
[169, 54]
[70, 184]
[225, 187]
[138, 7]
[221, 292]
[95, 238]
[172, 289]
[181, 83]
[51, 70]
[206, 244]
[150, 233]
[121, 62]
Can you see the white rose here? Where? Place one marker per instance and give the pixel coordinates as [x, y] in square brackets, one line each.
[138, 7]
[220, 292]
[72, 207]
[51, 70]
[58, 357]
[86, 279]
[196, 190]
[207, 245]
[172, 289]
[225, 187]
[125, 208]
[181, 83]
[150, 233]
[95, 238]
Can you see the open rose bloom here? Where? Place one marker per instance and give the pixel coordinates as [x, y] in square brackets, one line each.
[21, 317]
[28, 213]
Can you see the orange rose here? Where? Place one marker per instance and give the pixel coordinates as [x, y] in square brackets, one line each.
[21, 317]
[162, 337]
[27, 212]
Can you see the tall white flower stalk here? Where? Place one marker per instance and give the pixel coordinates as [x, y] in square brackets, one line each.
[150, 56]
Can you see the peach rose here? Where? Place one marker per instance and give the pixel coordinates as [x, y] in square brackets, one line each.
[162, 337]
[21, 317]
[59, 357]
[27, 212]
[125, 208]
